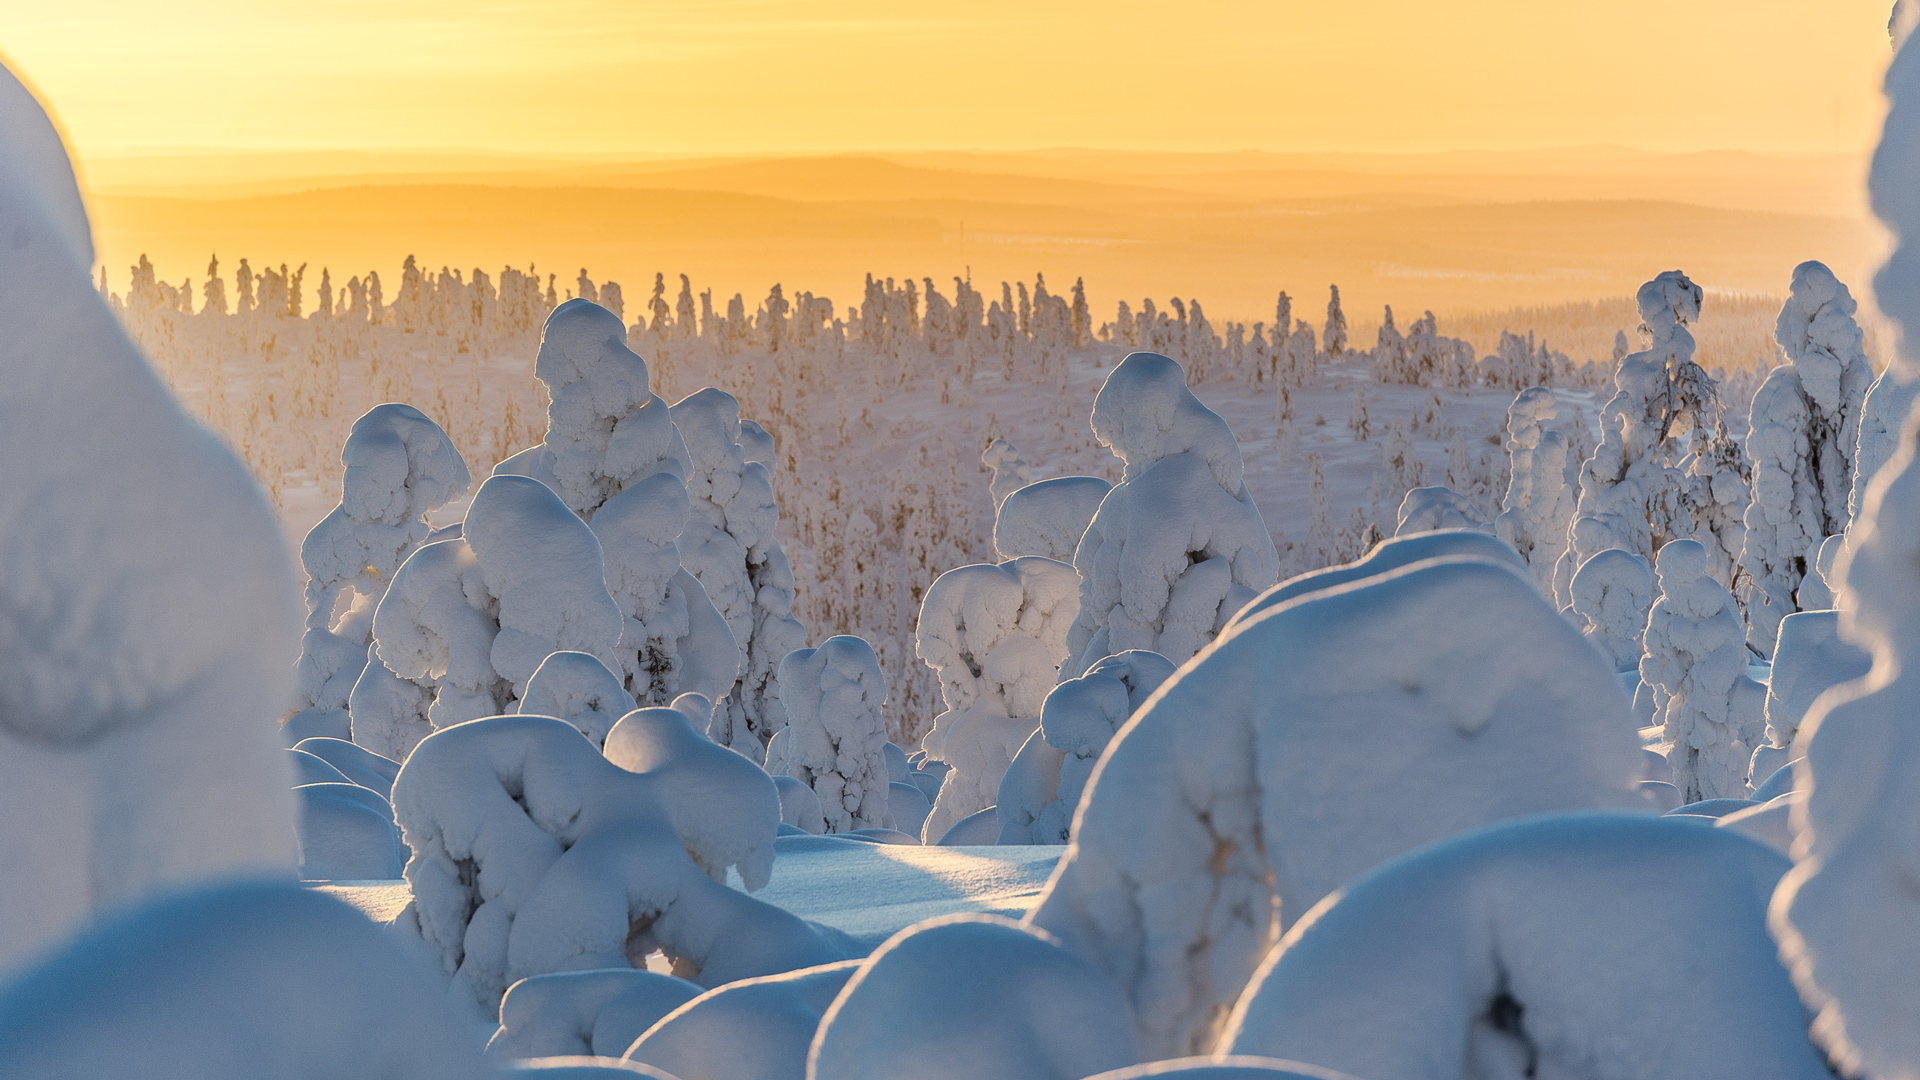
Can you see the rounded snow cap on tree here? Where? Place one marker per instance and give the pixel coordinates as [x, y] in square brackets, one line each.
[709, 421]
[400, 465]
[1681, 561]
[1670, 300]
[578, 337]
[578, 688]
[757, 443]
[1818, 313]
[1534, 406]
[1145, 412]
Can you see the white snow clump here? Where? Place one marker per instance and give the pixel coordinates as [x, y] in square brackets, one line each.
[1611, 595]
[1428, 509]
[1048, 518]
[1695, 661]
[836, 735]
[577, 687]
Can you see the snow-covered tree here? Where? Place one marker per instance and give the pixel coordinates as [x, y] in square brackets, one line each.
[996, 636]
[1425, 509]
[579, 688]
[1357, 421]
[673, 640]
[1335, 337]
[1695, 659]
[1611, 595]
[1801, 438]
[400, 467]
[729, 546]
[1179, 545]
[1010, 469]
[1048, 518]
[835, 738]
[1539, 504]
[467, 621]
[1628, 488]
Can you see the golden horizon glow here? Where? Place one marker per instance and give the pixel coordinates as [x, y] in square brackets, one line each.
[760, 76]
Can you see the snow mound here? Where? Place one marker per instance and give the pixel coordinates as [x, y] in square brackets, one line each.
[578, 688]
[974, 830]
[1297, 753]
[345, 835]
[1612, 593]
[358, 764]
[721, 804]
[1426, 509]
[909, 807]
[702, 1040]
[1077, 722]
[799, 806]
[996, 635]
[1809, 659]
[1388, 555]
[1179, 545]
[1021, 1006]
[1770, 822]
[1695, 661]
[835, 738]
[1526, 949]
[236, 981]
[400, 467]
[1231, 1067]
[152, 618]
[1048, 518]
[468, 621]
[583, 1013]
[585, 1067]
[532, 853]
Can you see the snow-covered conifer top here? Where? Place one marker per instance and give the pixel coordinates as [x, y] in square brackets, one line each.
[1145, 412]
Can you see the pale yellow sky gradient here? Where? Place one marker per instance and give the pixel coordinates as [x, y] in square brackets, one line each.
[696, 76]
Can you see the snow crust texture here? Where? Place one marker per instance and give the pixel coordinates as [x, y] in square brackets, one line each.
[1525, 949]
[1179, 545]
[1311, 743]
[997, 636]
[150, 621]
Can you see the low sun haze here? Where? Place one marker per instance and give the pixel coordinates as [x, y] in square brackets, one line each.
[1459, 157]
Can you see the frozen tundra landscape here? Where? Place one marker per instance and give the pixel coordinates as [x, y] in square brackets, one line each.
[957, 684]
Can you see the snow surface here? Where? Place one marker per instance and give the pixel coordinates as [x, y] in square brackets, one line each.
[1048, 518]
[1229, 1067]
[1179, 545]
[232, 981]
[997, 636]
[1009, 1003]
[152, 620]
[1527, 949]
[1263, 774]
[346, 832]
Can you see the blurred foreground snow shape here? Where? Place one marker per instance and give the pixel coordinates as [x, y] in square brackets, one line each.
[1230, 1067]
[973, 997]
[1300, 751]
[586, 1067]
[344, 836]
[235, 981]
[1388, 555]
[704, 1039]
[152, 618]
[1526, 947]
[563, 1014]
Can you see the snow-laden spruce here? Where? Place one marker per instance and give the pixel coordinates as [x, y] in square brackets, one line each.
[1611, 595]
[253, 980]
[836, 735]
[533, 853]
[1539, 503]
[1179, 545]
[728, 545]
[1846, 912]
[1010, 469]
[1802, 437]
[579, 688]
[1043, 787]
[973, 997]
[1557, 946]
[1312, 742]
[1810, 658]
[400, 467]
[673, 640]
[1428, 509]
[1048, 518]
[1628, 489]
[1694, 658]
[606, 430]
[152, 618]
[996, 636]
[467, 621]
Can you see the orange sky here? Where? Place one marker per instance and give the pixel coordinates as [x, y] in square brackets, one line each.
[604, 76]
